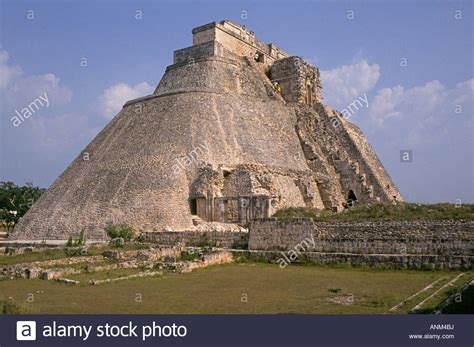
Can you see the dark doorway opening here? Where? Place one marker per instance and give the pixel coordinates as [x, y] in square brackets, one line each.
[193, 206]
[309, 94]
[351, 198]
[258, 57]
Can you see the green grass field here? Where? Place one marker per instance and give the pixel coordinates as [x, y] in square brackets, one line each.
[381, 211]
[234, 288]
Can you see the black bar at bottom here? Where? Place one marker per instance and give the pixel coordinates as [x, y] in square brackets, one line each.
[238, 330]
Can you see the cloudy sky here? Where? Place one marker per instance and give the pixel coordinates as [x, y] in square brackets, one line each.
[411, 60]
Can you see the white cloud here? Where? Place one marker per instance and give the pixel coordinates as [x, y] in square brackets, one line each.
[23, 90]
[7, 73]
[19, 90]
[435, 122]
[46, 140]
[113, 98]
[344, 84]
[422, 108]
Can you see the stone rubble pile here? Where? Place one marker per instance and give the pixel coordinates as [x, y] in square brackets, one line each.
[177, 259]
[138, 275]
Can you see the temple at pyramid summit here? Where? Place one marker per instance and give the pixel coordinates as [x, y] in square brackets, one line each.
[235, 130]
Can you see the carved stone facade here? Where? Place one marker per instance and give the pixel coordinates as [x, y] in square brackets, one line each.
[237, 40]
[299, 81]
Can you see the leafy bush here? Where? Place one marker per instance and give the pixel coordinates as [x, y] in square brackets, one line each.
[120, 230]
[76, 251]
[9, 307]
[80, 241]
[118, 242]
[15, 201]
[189, 256]
[70, 242]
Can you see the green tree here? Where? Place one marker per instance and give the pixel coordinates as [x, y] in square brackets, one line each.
[15, 201]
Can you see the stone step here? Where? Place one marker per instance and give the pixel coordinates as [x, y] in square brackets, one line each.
[267, 82]
[197, 220]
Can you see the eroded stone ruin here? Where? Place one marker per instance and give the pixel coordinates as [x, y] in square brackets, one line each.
[216, 142]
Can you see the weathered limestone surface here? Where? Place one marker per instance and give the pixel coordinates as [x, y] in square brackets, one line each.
[138, 275]
[35, 269]
[397, 261]
[191, 238]
[207, 260]
[212, 144]
[299, 81]
[151, 254]
[66, 281]
[384, 237]
[51, 274]
[448, 244]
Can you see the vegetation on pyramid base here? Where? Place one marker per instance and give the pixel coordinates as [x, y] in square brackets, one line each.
[381, 211]
[120, 231]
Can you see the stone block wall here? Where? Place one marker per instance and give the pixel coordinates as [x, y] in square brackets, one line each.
[193, 53]
[299, 81]
[428, 241]
[381, 237]
[224, 239]
[238, 40]
[395, 261]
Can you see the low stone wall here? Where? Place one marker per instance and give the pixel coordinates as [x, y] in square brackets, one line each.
[395, 261]
[151, 254]
[443, 244]
[36, 268]
[221, 239]
[389, 237]
[51, 274]
[138, 275]
[207, 260]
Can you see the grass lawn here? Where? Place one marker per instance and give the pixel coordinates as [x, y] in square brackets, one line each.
[32, 256]
[233, 288]
[383, 211]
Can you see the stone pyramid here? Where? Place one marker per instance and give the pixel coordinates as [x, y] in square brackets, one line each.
[234, 132]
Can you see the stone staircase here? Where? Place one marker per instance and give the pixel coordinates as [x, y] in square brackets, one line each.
[351, 169]
[311, 136]
[266, 81]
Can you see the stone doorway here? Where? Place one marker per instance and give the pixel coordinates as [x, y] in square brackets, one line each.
[309, 94]
[351, 198]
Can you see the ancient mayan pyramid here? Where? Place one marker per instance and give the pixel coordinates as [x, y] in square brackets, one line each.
[214, 143]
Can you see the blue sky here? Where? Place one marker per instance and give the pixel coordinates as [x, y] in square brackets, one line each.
[412, 59]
